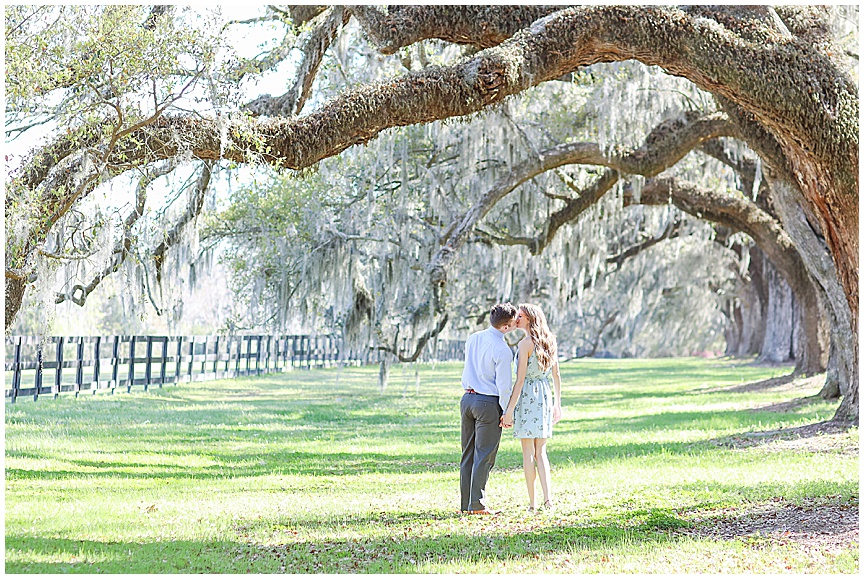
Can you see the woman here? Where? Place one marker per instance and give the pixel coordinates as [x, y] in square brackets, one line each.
[532, 410]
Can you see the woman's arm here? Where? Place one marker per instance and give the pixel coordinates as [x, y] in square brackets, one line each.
[526, 346]
[556, 380]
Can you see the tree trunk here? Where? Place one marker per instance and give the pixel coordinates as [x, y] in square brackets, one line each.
[831, 388]
[732, 331]
[15, 288]
[843, 362]
[777, 343]
[753, 303]
[384, 371]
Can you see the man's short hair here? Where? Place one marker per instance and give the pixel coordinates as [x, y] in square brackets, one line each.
[502, 314]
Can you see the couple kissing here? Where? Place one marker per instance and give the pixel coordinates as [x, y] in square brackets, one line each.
[493, 402]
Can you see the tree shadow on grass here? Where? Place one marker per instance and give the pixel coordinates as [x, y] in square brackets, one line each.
[408, 542]
[405, 542]
[790, 405]
[757, 386]
[708, 418]
[400, 552]
[239, 465]
[825, 428]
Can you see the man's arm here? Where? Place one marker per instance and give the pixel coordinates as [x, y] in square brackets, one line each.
[504, 376]
[525, 348]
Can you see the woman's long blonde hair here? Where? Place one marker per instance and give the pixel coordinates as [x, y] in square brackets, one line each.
[545, 344]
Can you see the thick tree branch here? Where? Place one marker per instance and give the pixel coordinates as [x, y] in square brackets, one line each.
[477, 26]
[792, 86]
[555, 44]
[299, 14]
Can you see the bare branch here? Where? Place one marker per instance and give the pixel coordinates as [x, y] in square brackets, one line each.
[155, 13]
[421, 343]
[673, 229]
[665, 145]
[79, 292]
[596, 342]
[313, 45]
[193, 209]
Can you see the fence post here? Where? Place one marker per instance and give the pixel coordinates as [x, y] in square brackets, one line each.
[38, 381]
[325, 352]
[131, 374]
[229, 341]
[58, 372]
[204, 360]
[191, 357]
[164, 361]
[267, 359]
[248, 352]
[115, 362]
[258, 355]
[147, 370]
[178, 359]
[16, 371]
[289, 353]
[239, 341]
[97, 367]
[79, 365]
[216, 360]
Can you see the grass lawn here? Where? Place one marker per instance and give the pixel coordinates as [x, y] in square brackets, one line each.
[318, 471]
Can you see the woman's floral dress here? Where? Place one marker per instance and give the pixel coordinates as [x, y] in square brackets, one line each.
[532, 417]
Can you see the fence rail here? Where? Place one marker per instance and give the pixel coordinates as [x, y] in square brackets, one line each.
[53, 365]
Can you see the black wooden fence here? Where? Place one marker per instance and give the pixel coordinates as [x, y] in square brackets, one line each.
[52, 365]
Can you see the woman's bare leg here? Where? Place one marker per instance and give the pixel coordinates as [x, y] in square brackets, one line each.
[528, 467]
[543, 468]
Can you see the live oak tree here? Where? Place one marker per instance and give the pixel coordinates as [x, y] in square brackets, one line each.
[776, 73]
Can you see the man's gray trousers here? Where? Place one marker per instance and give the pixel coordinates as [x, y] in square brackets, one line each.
[481, 435]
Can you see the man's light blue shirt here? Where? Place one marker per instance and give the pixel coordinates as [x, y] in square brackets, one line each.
[488, 365]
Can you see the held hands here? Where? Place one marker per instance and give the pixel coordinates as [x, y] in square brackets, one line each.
[507, 419]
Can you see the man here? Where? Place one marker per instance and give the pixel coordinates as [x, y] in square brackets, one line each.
[487, 381]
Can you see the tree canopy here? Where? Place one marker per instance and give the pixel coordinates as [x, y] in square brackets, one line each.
[744, 117]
